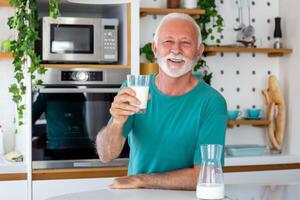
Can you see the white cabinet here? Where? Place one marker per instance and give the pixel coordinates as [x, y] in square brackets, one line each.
[13, 190]
[48, 188]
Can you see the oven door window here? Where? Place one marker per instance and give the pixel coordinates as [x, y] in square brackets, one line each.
[65, 125]
[72, 39]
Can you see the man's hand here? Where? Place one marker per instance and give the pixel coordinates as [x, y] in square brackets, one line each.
[127, 182]
[122, 106]
[183, 179]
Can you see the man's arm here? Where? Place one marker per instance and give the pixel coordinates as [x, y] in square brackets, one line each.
[184, 179]
[110, 140]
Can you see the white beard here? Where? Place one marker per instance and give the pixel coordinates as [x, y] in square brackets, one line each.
[173, 71]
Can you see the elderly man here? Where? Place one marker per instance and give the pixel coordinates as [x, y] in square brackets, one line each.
[182, 113]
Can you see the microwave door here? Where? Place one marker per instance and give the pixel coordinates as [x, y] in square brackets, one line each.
[71, 40]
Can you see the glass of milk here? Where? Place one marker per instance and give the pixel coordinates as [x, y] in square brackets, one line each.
[140, 84]
[210, 183]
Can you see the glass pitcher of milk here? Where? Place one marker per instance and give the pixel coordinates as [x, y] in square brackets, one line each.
[210, 183]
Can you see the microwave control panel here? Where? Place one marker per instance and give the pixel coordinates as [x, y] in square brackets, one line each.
[110, 42]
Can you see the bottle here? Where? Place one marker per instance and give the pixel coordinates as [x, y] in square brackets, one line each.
[277, 33]
[2, 152]
[210, 183]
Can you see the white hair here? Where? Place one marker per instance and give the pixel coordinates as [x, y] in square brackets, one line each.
[173, 16]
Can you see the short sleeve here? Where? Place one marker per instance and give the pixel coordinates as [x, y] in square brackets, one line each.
[130, 121]
[213, 126]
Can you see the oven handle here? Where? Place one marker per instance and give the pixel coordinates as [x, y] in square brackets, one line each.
[78, 90]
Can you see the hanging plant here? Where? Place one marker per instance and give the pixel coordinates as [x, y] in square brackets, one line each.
[25, 22]
[211, 24]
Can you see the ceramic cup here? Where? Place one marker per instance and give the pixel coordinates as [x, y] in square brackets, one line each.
[253, 113]
[233, 114]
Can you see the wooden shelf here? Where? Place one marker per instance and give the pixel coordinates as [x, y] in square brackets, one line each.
[6, 55]
[195, 13]
[4, 3]
[85, 66]
[213, 50]
[258, 123]
[55, 174]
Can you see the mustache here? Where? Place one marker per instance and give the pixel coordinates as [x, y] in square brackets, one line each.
[177, 57]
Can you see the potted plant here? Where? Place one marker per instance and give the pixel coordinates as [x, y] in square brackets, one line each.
[26, 61]
[151, 66]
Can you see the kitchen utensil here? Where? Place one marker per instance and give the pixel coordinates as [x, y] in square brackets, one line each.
[249, 30]
[233, 114]
[253, 113]
[277, 33]
[241, 24]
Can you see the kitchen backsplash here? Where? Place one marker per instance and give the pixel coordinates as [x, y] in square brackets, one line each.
[239, 77]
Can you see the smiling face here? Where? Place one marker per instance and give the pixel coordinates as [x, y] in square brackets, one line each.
[176, 49]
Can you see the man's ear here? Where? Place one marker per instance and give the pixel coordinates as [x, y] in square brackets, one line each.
[154, 49]
[200, 50]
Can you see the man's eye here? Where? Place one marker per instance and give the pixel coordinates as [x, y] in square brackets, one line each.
[186, 43]
[168, 41]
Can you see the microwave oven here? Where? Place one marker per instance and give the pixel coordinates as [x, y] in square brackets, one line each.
[78, 40]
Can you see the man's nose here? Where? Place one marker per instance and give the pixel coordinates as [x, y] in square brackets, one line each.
[176, 48]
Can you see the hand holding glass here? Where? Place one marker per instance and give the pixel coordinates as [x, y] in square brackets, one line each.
[140, 84]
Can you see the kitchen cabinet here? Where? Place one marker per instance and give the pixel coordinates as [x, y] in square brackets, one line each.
[13, 190]
[48, 188]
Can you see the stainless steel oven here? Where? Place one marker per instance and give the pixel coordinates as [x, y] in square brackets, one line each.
[68, 111]
[78, 40]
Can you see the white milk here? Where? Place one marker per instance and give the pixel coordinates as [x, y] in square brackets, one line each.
[142, 95]
[210, 191]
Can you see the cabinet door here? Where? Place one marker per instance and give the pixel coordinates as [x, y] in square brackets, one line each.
[13, 190]
[49, 188]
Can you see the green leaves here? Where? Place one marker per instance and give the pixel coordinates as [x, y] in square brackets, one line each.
[53, 8]
[25, 22]
[147, 50]
[211, 22]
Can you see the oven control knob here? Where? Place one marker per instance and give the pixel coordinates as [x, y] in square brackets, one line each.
[82, 76]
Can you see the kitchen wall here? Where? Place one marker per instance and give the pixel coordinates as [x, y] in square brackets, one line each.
[7, 107]
[290, 70]
[238, 77]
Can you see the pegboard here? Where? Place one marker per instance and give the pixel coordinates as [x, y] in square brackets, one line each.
[239, 77]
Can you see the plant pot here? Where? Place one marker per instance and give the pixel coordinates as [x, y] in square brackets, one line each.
[148, 68]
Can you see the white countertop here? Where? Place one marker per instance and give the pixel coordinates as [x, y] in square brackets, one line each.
[257, 191]
[11, 167]
[132, 194]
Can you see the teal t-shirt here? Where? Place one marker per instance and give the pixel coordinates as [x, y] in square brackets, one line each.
[168, 136]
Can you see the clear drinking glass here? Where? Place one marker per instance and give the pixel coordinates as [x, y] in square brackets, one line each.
[140, 84]
[210, 183]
